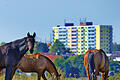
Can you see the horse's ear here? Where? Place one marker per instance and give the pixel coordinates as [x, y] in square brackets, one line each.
[28, 34]
[34, 34]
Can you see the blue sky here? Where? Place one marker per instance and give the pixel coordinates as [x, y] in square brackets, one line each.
[17, 17]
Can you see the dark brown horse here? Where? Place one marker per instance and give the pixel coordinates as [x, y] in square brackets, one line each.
[11, 53]
[96, 61]
[38, 63]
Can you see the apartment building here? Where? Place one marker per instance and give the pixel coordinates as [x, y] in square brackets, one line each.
[84, 37]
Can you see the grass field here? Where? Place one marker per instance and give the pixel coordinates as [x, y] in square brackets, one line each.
[34, 77]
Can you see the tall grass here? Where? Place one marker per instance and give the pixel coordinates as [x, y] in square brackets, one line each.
[34, 77]
[24, 77]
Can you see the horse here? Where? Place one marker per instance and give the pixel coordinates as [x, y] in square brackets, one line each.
[11, 53]
[38, 63]
[96, 61]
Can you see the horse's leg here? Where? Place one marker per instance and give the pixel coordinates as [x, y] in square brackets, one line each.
[9, 71]
[106, 75]
[39, 76]
[87, 71]
[102, 76]
[96, 74]
[1, 70]
[13, 72]
[43, 76]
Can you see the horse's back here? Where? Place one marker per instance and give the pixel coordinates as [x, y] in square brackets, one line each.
[98, 58]
[88, 52]
[32, 62]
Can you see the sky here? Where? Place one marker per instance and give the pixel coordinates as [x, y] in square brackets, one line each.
[17, 17]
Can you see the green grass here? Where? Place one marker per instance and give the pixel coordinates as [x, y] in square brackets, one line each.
[24, 77]
[34, 77]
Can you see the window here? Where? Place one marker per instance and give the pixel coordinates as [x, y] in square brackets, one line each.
[74, 27]
[82, 27]
[89, 27]
[73, 38]
[82, 31]
[82, 38]
[73, 41]
[73, 34]
[73, 45]
[73, 31]
[82, 34]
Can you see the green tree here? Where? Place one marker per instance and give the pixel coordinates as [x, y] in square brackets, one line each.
[68, 50]
[58, 47]
[116, 47]
[2, 43]
[41, 47]
[73, 66]
[59, 62]
[114, 66]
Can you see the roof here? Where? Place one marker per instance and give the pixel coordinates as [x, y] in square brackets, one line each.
[51, 56]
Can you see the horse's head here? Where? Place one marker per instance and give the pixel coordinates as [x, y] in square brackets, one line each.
[30, 41]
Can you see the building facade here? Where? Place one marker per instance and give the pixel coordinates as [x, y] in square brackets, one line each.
[84, 37]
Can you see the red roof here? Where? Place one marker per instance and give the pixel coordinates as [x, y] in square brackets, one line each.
[53, 57]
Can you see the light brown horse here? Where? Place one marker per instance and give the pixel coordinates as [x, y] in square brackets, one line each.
[38, 63]
[96, 61]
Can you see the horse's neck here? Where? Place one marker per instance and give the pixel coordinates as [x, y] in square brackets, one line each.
[51, 68]
[22, 46]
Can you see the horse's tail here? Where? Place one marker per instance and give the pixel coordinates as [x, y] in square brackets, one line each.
[91, 64]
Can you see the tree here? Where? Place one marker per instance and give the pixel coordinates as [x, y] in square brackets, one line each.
[41, 47]
[68, 50]
[73, 66]
[2, 43]
[114, 66]
[58, 47]
[116, 47]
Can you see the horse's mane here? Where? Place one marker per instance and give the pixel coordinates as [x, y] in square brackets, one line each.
[19, 40]
[16, 41]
